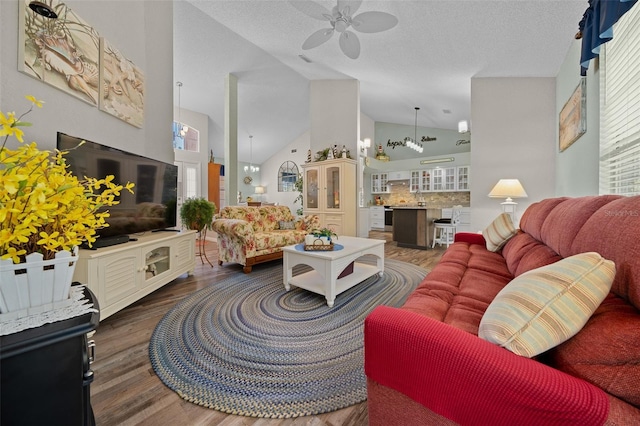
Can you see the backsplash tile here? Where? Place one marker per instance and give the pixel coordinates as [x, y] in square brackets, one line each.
[400, 195]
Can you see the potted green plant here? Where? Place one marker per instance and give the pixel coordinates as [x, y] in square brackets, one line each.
[197, 213]
[325, 232]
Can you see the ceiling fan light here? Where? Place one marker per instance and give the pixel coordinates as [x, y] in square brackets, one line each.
[341, 25]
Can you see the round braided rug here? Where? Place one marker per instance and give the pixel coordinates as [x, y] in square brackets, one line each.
[245, 346]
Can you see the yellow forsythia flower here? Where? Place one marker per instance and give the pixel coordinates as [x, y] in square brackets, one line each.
[43, 207]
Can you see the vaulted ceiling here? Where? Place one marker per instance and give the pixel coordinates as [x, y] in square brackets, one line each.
[427, 60]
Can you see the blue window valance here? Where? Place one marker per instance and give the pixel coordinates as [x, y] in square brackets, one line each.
[596, 26]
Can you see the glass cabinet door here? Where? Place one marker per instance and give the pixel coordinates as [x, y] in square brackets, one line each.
[311, 185]
[332, 176]
[425, 181]
[450, 179]
[438, 179]
[414, 185]
[463, 178]
[157, 261]
[375, 183]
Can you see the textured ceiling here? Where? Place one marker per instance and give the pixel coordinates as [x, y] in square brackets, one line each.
[427, 60]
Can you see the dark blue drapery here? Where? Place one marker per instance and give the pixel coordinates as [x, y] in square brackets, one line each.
[596, 26]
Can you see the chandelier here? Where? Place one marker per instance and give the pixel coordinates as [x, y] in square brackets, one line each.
[251, 168]
[414, 144]
[183, 128]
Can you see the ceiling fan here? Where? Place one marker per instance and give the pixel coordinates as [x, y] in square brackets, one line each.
[341, 19]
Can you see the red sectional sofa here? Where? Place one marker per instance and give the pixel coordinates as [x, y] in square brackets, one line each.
[426, 365]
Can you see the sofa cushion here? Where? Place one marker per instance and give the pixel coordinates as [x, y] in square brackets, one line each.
[461, 286]
[546, 306]
[613, 232]
[286, 224]
[499, 232]
[606, 352]
[277, 238]
[524, 253]
[566, 220]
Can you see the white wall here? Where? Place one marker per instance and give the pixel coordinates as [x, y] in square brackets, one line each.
[514, 136]
[335, 114]
[577, 167]
[143, 32]
[296, 151]
[199, 122]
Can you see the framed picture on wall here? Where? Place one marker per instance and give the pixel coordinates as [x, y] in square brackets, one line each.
[573, 116]
[122, 84]
[59, 48]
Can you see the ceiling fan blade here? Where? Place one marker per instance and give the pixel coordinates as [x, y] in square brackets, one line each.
[373, 22]
[317, 38]
[350, 44]
[353, 5]
[312, 9]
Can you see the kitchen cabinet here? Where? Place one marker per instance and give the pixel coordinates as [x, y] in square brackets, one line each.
[413, 227]
[462, 178]
[376, 218]
[402, 175]
[444, 179]
[420, 181]
[330, 192]
[440, 179]
[122, 274]
[379, 183]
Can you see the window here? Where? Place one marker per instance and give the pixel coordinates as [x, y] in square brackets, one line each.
[185, 137]
[620, 108]
[287, 176]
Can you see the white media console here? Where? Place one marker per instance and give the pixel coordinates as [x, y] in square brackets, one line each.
[122, 274]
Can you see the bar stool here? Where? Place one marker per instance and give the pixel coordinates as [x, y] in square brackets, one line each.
[444, 229]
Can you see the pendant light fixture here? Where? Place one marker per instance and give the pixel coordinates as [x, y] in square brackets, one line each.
[414, 144]
[250, 168]
[183, 128]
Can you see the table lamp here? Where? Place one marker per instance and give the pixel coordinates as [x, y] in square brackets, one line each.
[508, 189]
[259, 191]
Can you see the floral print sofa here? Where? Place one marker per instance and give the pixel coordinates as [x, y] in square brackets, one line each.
[251, 235]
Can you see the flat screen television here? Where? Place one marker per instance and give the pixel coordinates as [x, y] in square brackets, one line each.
[152, 207]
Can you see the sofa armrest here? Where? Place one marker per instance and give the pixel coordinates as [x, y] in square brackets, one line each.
[470, 381]
[235, 228]
[469, 237]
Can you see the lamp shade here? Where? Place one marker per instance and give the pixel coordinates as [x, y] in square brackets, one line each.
[259, 190]
[508, 188]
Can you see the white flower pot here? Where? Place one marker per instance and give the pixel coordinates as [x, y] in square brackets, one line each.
[309, 239]
[36, 285]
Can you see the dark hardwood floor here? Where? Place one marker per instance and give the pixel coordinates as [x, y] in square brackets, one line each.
[126, 390]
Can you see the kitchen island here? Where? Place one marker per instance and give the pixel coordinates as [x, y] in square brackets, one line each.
[413, 226]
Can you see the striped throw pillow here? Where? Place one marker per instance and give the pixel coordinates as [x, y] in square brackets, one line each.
[499, 232]
[546, 306]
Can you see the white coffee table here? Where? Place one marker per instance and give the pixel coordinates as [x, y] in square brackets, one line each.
[328, 265]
